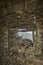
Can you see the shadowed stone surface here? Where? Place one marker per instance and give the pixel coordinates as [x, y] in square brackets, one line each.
[21, 14]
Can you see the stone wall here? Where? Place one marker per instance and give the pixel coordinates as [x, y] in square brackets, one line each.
[20, 14]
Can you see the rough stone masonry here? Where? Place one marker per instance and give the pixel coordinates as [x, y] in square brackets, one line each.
[21, 14]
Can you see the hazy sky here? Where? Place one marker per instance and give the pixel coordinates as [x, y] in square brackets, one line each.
[27, 35]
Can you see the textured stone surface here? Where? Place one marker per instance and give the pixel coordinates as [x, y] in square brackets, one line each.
[20, 14]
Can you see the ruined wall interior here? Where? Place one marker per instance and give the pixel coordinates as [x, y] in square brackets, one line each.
[21, 16]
